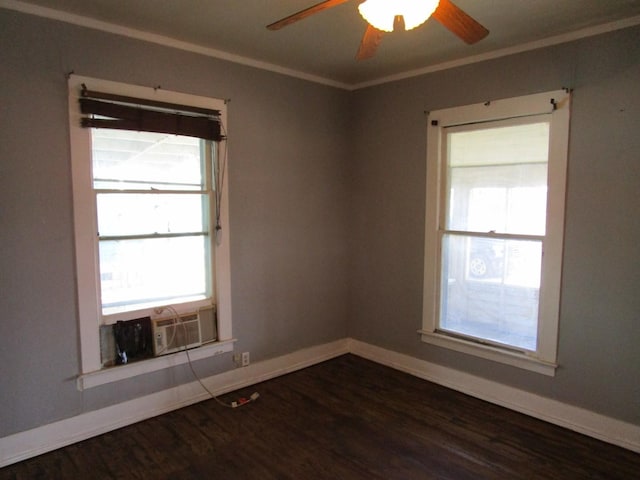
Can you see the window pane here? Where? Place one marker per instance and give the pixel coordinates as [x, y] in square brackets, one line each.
[124, 159]
[149, 271]
[490, 289]
[499, 144]
[498, 179]
[149, 213]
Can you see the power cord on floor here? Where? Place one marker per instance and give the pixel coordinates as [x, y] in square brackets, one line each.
[234, 404]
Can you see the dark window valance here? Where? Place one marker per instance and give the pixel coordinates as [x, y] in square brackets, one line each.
[106, 110]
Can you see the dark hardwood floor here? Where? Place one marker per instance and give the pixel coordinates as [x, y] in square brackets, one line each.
[347, 418]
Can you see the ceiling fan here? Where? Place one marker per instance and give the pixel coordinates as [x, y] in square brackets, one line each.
[405, 14]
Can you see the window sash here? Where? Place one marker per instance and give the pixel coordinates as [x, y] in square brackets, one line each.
[527, 166]
[142, 277]
[483, 295]
[133, 233]
[494, 301]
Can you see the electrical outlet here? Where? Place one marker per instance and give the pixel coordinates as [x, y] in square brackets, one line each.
[245, 359]
[237, 359]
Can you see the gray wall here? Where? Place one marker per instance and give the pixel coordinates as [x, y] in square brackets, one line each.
[599, 344]
[327, 208]
[288, 187]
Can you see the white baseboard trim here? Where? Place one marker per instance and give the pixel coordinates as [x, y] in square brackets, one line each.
[574, 418]
[46, 438]
[27, 444]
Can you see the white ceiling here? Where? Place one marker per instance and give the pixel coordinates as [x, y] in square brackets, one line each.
[323, 46]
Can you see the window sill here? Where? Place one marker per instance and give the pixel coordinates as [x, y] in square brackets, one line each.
[122, 372]
[515, 359]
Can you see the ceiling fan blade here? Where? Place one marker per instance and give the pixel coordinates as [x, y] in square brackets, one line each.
[459, 22]
[369, 44]
[305, 13]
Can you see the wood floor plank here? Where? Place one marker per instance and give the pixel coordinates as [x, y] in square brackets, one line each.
[347, 418]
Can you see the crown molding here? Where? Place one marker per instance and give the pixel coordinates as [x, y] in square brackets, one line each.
[87, 22]
[503, 52]
[165, 41]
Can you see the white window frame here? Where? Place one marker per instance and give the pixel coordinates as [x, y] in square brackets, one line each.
[557, 104]
[85, 228]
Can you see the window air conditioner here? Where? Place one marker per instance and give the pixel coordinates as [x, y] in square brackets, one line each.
[175, 334]
[187, 331]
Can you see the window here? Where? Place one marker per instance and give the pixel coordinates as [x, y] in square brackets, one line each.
[495, 216]
[153, 194]
[150, 212]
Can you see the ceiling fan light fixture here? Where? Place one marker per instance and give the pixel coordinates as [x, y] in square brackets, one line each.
[382, 13]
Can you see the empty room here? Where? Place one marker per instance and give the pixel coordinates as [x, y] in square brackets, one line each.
[320, 239]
